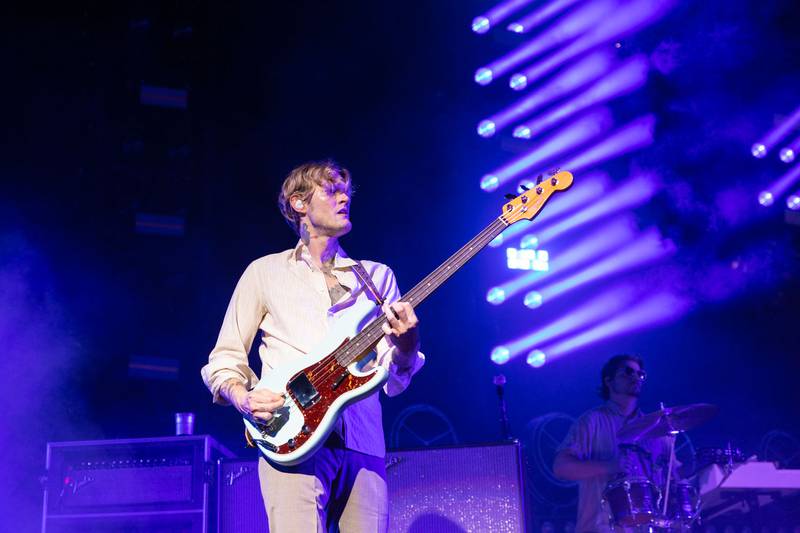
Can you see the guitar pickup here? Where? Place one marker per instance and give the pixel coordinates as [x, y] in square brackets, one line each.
[303, 390]
[339, 380]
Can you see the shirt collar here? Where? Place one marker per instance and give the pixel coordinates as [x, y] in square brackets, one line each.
[340, 261]
[614, 408]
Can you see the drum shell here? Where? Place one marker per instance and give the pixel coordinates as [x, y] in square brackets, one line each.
[632, 501]
[684, 503]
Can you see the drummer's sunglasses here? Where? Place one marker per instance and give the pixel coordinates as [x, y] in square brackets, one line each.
[630, 372]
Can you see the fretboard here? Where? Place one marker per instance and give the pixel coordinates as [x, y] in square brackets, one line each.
[365, 341]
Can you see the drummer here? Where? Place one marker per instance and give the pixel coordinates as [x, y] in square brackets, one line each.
[591, 455]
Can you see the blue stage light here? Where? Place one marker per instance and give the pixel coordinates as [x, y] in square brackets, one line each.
[522, 132]
[536, 358]
[533, 300]
[789, 152]
[771, 139]
[779, 187]
[490, 182]
[500, 355]
[566, 139]
[759, 151]
[481, 25]
[496, 296]
[626, 78]
[600, 307]
[486, 128]
[580, 73]
[604, 24]
[766, 198]
[518, 82]
[648, 248]
[647, 312]
[600, 243]
[483, 76]
[793, 201]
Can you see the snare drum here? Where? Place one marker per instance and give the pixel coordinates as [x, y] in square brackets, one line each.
[632, 501]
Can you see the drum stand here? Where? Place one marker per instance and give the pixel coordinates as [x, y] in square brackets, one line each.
[671, 438]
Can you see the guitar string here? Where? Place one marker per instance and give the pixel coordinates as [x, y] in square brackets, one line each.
[371, 328]
[343, 357]
[435, 279]
[349, 352]
[416, 295]
[457, 257]
[337, 359]
[377, 323]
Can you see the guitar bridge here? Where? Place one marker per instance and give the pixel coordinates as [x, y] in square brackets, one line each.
[266, 444]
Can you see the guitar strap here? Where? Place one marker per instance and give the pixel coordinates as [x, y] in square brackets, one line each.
[361, 273]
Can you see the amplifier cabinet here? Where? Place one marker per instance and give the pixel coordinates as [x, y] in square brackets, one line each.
[132, 485]
[241, 509]
[431, 490]
[468, 488]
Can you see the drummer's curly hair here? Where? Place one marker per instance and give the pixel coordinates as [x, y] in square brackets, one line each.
[610, 370]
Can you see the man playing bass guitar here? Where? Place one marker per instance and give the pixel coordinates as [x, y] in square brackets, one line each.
[291, 298]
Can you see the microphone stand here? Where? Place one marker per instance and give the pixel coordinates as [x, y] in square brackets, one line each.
[499, 383]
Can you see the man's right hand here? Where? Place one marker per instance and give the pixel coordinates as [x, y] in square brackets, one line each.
[258, 404]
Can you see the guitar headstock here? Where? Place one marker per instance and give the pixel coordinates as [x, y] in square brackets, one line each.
[528, 204]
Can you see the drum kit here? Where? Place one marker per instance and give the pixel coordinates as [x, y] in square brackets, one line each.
[641, 499]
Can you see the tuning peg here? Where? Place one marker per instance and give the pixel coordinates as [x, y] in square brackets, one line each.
[510, 196]
[554, 171]
[538, 179]
[524, 187]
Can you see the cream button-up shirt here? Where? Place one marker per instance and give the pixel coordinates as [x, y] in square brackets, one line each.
[285, 298]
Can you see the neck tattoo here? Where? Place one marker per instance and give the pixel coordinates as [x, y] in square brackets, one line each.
[305, 235]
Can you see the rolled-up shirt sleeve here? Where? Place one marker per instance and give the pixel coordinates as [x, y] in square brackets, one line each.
[229, 358]
[399, 378]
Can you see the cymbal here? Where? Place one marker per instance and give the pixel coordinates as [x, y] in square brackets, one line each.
[666, 421]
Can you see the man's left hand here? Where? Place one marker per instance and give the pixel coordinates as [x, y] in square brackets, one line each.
[401, 328]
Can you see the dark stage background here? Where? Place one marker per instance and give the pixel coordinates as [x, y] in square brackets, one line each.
[385, 88]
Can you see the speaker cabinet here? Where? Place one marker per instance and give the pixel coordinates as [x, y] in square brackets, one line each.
[241, 509]
[431, 490]
[456, 489]
[131, 485]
